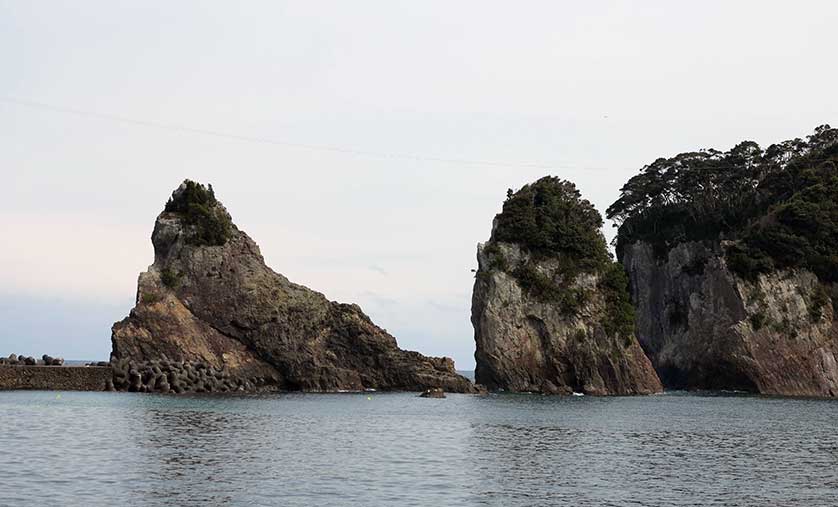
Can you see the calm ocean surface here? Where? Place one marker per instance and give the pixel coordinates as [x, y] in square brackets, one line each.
[397, 449]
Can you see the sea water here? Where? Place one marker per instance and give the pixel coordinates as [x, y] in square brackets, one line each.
[382, 449]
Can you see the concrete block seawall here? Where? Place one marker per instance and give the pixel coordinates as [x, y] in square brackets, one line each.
[55, 378]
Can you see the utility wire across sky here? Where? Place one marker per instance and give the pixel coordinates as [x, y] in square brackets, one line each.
[266, 140]
[547, 166]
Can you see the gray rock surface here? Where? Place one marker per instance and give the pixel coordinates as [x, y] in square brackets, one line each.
[706, 328]
[525, 344]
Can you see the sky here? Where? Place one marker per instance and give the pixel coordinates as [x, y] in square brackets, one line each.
[365, 146]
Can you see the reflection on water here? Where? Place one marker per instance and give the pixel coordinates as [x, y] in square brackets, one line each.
[397, 449]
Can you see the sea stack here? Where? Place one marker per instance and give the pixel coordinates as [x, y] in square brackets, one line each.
[550, 308]
[209, 303]
[733, 261]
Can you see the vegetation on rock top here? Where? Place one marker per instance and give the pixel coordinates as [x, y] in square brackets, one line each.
[197, 205]
[779, 206]
[548, 219]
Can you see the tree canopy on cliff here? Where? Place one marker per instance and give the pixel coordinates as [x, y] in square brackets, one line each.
[549, 218]
[778, 202]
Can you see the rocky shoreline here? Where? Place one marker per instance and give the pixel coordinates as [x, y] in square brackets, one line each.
[552, 313]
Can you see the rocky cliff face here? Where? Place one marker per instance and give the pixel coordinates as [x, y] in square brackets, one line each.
[209, 298]
[527, 343]
[705, 328]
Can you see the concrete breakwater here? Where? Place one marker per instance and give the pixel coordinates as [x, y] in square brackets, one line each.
[155, 376]
[165, 376]
[46, 360]
[55, 378]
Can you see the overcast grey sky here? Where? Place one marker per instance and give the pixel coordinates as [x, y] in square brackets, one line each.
[588, 91]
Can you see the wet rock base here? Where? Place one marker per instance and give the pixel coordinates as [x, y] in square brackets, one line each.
[435, 392]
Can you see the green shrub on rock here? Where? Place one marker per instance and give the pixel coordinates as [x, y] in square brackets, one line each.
[198, 207]
[150, 298]
[819, 300]
[169, 278]
[620, 315]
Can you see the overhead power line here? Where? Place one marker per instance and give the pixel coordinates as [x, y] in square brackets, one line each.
[546, 166]
[276, 142]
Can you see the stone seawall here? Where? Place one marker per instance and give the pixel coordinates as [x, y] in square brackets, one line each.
[55, 378]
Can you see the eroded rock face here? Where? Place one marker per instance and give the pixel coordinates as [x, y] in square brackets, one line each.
[705, 328]
[526, 344]
[222, 306]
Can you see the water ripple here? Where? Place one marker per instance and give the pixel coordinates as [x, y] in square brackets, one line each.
[397, 449]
